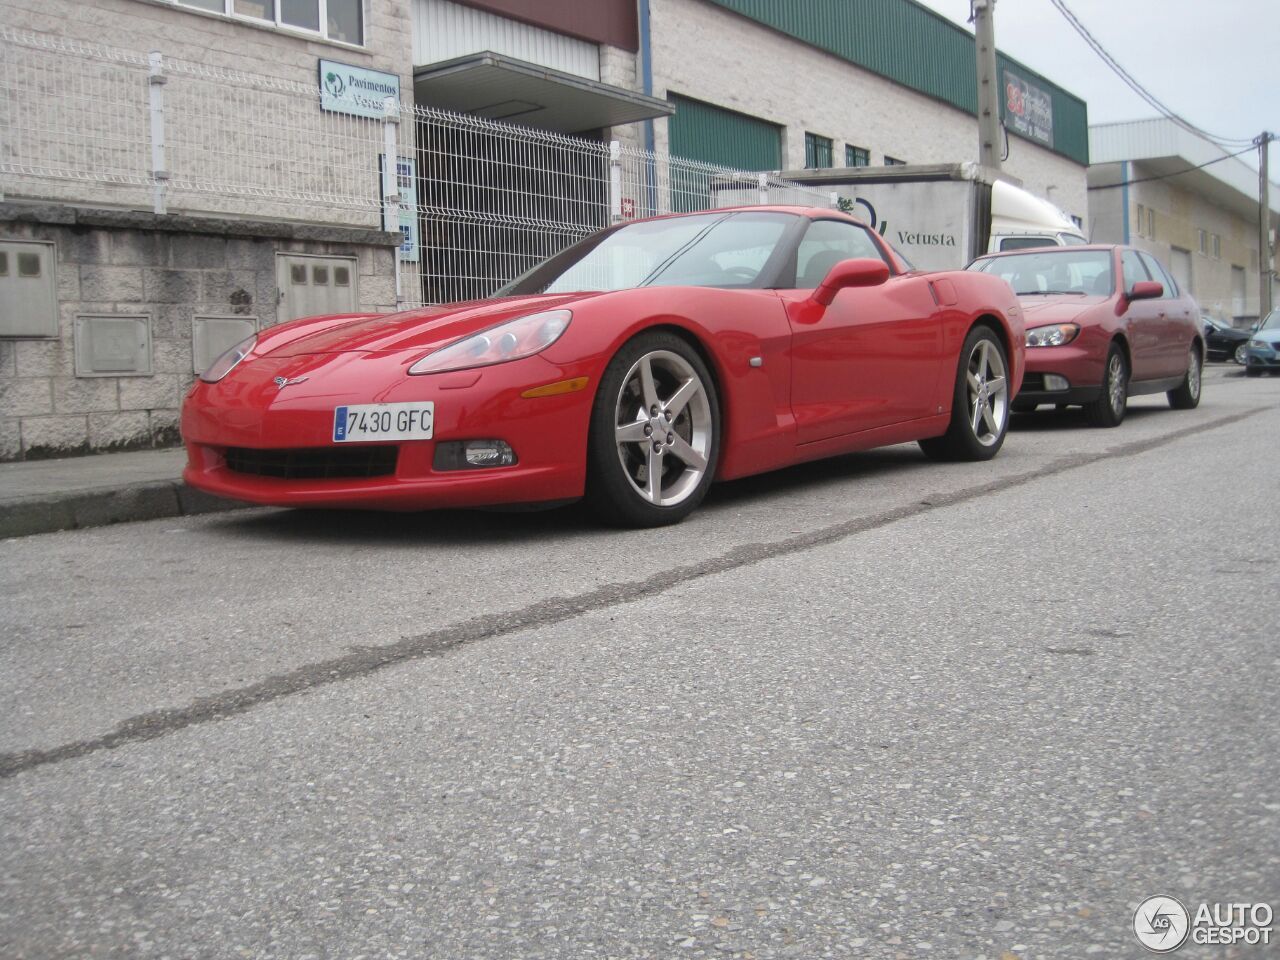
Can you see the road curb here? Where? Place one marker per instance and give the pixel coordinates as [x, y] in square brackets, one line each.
[26, 516]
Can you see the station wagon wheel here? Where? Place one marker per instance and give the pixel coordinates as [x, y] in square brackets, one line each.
[1186, 396]
[1109, 408]
[654, 433]
[980, 405]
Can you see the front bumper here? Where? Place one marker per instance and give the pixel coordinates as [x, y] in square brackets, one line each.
[248, 412]
[1261, 358]
[1077, 363]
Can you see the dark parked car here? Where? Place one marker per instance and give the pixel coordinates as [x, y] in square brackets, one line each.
[1223, 341]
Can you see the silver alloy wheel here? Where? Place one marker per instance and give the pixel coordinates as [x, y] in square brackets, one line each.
[663, 428]
[1242, 354]
[1193, 374]
[988, 393]
[1115, 383]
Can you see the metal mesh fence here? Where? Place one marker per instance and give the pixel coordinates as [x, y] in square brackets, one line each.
[479, 201]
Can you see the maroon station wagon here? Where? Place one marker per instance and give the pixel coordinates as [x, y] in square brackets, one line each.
[1103, 323]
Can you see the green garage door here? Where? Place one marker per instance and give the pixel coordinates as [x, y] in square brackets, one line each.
[699, 131]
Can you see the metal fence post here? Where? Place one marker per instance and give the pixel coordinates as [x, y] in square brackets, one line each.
[615, 181]
[155, 82]
[391, 179]
[762, 180]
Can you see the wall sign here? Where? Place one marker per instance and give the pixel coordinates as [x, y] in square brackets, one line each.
[355, 90]
[1028, 110]
[407, 187]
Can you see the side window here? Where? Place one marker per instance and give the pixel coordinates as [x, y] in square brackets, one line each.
[1134, 271]
[1158, 273]
[1026, 243]
[825, 244]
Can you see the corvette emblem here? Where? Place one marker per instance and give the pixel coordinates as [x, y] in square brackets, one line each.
[282, 382]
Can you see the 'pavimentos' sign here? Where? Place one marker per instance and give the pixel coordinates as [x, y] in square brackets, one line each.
[348, 89]
[1027, 109]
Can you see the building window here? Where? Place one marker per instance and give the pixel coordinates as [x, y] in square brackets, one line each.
[1215, 246]
[1151, 223]
[1142, 216]
[893, 161]
[341, 20]
[817, 151]
[1203, 239]
[856, 156]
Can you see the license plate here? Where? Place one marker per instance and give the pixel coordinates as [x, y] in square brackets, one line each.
[384, 421]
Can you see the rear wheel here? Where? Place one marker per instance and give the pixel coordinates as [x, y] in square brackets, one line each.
[1108, 410]
[1242, 354]
[1187, 394]
[980, 404]
[655, 431]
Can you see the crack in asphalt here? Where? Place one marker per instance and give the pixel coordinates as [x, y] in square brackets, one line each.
[544, 613]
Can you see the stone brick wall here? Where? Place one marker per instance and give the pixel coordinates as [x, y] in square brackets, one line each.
[170, 269]
[706, 52]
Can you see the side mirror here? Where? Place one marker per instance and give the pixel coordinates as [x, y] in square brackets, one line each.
[1146, 290]
[851, 273]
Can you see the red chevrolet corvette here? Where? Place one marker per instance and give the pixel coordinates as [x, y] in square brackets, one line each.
[633, 368]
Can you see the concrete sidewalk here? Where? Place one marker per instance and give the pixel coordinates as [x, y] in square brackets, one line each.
[40, 496]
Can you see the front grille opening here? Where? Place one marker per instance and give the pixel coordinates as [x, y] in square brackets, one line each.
[315, 463]
[1033, 382]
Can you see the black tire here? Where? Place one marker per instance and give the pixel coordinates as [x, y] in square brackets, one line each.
[1109, 409]
[1186, 396]
[982, 356]
[616, 467]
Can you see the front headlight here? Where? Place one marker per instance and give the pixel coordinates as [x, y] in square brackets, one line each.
[1260, 345]
[1054, 335]
[512, 340]
[224, 364]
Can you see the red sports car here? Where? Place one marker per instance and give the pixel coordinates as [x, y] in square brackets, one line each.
[1103, 323]
[632, 368]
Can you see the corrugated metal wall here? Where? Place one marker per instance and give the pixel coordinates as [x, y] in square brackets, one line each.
[443, 31]
[913, 46]
[699, 131]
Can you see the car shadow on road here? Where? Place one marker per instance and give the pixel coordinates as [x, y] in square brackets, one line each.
[520, 525]
[1073, 418]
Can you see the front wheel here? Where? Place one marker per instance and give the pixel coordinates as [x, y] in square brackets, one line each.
[655, 433]
[980, 404]
[1242, 354]
[1109, 409]
[1186, 396]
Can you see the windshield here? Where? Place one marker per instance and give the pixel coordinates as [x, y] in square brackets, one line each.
[1057, 270]
[706, 250]
[1272, 321]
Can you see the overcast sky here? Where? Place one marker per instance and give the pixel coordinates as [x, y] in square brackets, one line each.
[1215, 62]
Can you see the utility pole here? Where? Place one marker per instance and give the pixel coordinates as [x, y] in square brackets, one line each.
[984, 34]
[1266, 262]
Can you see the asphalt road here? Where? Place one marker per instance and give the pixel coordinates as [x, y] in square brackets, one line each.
[874, 707]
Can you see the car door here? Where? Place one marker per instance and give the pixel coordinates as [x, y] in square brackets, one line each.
[1178, 322]
[1143, 321]
[871, 358]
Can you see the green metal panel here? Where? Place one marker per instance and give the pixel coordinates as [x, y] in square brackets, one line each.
[699, 131]
[911, 45]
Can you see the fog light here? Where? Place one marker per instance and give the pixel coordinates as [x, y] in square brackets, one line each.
[1054, 382]
[473, 455]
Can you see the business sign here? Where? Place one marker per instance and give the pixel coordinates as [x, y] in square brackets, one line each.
[355, 90]
[407, 187]
[1028, 110]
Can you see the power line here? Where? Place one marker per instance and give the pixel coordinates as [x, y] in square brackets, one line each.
[1137, 87]
[1176, 173]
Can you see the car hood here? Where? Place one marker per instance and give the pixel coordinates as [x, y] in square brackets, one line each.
[1038, 311]
[412, 330]
[1267, 336]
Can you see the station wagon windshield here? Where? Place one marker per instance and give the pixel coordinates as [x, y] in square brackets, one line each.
[1056, 271]
[710, 250]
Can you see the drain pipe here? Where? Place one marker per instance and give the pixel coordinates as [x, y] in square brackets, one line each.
[646, 81]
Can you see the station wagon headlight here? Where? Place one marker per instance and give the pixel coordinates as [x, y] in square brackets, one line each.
[512, 340]
[1054, 335]
[1260, 344]
[225, 363]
